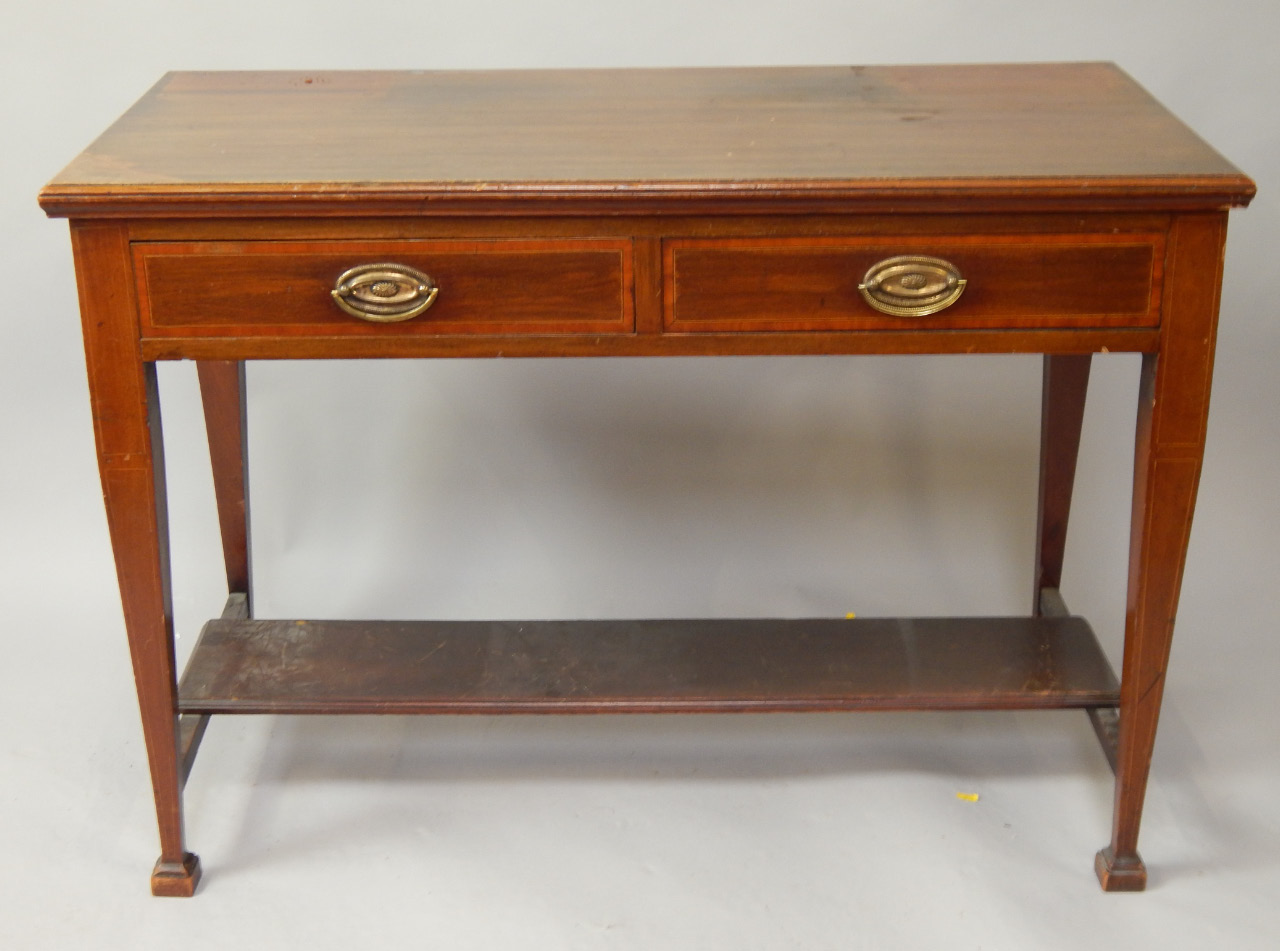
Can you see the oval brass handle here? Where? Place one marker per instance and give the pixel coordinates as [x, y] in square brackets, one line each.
[384, 293]
[911, 285]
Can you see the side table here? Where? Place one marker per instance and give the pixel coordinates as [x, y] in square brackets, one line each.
[1054, 209]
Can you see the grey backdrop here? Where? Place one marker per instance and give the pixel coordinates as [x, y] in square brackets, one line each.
[632, 488]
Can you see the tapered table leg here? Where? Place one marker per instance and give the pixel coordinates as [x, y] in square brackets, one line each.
[222, 390]
[1172, 413]
[1066, 382]
[126, 416]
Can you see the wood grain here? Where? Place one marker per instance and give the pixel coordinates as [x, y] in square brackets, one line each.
[244, 289]
[126, 414]
[1065, 384]
[674, 666]
[1063, 133]
[380, 346]
[222, 394]
[649, 213]
[779, 284]
[1173, 408]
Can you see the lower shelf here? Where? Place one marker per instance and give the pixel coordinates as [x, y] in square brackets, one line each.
[651, 666]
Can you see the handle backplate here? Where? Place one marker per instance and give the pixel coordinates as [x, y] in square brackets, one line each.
[384, 293]
[912, 285]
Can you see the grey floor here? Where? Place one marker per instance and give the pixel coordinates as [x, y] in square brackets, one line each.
[644, 832]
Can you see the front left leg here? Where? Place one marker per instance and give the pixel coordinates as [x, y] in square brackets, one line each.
[126, 416]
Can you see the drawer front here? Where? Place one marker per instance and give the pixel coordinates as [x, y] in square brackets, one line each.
[728, 285]
[285, 288]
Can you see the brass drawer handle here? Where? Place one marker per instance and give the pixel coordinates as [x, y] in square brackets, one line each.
[911, 285]
[384, 293]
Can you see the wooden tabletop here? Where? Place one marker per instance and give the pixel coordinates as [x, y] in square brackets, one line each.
[1080, 132]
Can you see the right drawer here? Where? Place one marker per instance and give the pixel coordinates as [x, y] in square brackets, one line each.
[1014, 282]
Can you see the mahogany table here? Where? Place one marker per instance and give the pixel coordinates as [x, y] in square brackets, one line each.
[1054, 209]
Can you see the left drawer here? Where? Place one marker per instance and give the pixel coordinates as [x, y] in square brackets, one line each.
[482, 287]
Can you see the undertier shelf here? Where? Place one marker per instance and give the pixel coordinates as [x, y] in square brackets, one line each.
[646, 666]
